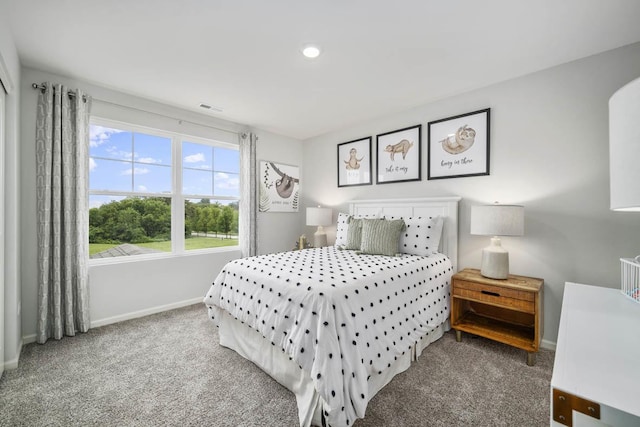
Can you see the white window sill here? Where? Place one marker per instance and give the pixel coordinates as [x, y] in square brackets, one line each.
[160, 256]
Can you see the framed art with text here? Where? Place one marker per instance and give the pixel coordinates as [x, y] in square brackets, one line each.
[354, 162]
[279, 187]
[398, 156]
[458, 146]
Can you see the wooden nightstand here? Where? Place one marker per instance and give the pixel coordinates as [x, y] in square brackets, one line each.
[508, 311]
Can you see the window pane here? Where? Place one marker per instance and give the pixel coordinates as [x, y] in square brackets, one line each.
[210, 224]
[129, 162]
[226, 184]
[197, 156]
[129, 226]
[113, 175]
[226, 160]
[151, 178]
[197, 182]
[210, 171]
[110, 143]
[152, 149]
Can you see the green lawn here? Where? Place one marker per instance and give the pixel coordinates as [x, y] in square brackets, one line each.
[192, 243]
[208, 242]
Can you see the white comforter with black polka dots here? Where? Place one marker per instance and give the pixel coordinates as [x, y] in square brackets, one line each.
[342, 317]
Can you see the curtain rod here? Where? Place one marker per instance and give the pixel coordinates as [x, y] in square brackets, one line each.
[180, 121]
[43, 87]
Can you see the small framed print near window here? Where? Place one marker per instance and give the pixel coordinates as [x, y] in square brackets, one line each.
[398, 156]
[354, 162]
[459, 146]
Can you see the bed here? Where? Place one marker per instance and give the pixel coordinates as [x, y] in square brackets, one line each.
[335, 325]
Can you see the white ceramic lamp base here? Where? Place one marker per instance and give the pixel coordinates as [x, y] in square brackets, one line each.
[495, 260]
[319, 238]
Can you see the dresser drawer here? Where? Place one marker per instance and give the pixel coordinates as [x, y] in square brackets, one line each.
[495, 295]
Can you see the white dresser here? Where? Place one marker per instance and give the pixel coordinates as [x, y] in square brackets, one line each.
[596, 373]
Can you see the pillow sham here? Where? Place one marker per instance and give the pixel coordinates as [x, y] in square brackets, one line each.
[381, 236]
[422, 235]
[342, 228]
[354, 234]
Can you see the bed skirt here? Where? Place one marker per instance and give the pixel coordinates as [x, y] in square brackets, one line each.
[252, 346]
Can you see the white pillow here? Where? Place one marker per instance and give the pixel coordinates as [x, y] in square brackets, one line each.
[342, 227]
[421, 235]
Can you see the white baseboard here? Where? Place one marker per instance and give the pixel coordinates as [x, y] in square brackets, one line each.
[13, 363]
[548, 345]
[145, 312]
[28, 339]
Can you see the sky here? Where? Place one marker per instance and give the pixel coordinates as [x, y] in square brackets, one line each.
[137, 162]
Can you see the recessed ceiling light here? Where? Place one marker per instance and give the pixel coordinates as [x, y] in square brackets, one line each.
[311, 51]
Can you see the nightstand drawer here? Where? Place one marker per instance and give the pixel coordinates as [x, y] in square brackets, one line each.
[495, 295]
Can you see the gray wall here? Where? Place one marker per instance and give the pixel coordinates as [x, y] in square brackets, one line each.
[549, 152]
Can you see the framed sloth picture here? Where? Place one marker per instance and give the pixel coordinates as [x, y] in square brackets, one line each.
[398, 157]
[459, 146]
[354, 162]
[279, 187]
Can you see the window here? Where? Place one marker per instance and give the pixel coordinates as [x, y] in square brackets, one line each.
[153, 192]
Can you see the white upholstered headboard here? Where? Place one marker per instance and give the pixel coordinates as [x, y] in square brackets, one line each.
[446, 207]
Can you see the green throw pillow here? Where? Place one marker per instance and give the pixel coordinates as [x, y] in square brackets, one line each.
[354, 234]
[381, 236]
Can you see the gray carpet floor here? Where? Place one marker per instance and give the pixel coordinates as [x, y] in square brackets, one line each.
[168, 370]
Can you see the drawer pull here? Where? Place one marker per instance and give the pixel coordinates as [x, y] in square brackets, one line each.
[493, 294]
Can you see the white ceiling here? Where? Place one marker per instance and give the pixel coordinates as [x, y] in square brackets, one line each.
[379, 57]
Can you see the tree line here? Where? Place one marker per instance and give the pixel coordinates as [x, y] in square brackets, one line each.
[141, 220]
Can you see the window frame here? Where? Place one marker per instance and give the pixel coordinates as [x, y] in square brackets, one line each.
[175, 195]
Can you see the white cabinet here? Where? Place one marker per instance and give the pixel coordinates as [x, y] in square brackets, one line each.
[597, 361]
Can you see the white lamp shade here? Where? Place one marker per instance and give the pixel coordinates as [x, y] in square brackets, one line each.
[319, 216]
[497, 220]
[624, 147]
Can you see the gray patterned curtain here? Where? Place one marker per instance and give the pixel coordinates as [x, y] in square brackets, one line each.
[62, 182]
[248, 194]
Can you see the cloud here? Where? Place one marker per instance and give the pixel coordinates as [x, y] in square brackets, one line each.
[115, 153]
[194, 158]
[98, 135]
[223, 181]
[135, 171]
[92, 164]
[146, 159]
[142, 188]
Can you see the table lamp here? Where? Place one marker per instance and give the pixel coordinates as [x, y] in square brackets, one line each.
[320, 217]
[624, 173]
[496, 220]
[624, 147]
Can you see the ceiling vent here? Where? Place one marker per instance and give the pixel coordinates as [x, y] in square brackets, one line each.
[209, 107]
